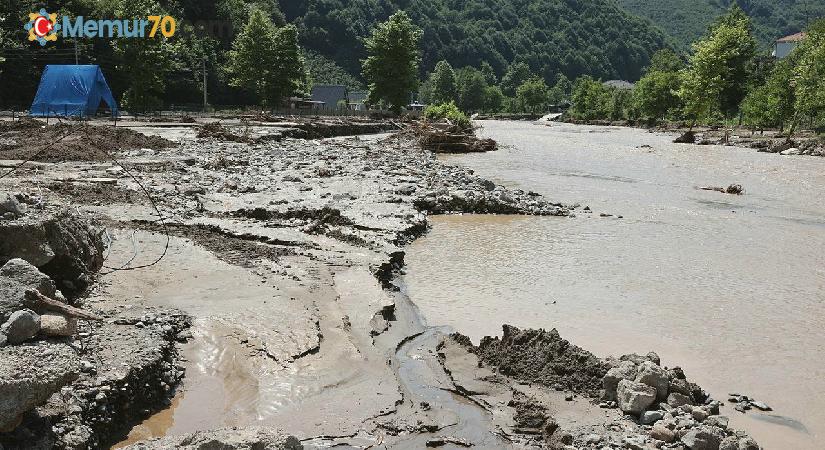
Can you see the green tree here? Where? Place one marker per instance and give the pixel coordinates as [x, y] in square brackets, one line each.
[665, 60]
[808, 76]
[716, 79]
[493, 99]
[489, 73]
[532, 94]
[471, 88]
[515, 76]
[391, 67]
[772, 103]
[589, 99]
[267, 60]
[442, 84]
[620, 105]
[657, 94]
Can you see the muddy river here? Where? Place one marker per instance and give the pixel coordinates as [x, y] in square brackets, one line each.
[731, 288]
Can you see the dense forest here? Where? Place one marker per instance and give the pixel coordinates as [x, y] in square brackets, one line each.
[551, 37]
[687, 20]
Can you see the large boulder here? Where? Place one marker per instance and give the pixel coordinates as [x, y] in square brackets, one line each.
[633, 397]
[654, 376]
[625, 370]
[16, 277]
[30, 374]
[236, 438]
[59, 242]
[57, 325]
[738, 443]
[21, 326]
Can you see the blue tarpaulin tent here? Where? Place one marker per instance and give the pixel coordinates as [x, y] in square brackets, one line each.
[69, 90]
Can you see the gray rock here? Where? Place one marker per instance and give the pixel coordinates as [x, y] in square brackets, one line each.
[662, 433]
[699, 414]
[57, 325]
[654, 376]
[717, 421]
[702, 438]
[626, 370]
[790, 151]
[650, 417]
[245, 438]
[761, 406]
[738, 443]
[9, 204]
[3, 339]
[676, 399]
[16, 277]
[30, 374]
[654, 358]
[634, 397]
[21, 326]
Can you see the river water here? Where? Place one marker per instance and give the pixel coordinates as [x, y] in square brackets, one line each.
[731, 288]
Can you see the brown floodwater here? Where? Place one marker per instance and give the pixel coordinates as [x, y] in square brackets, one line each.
[731, 288]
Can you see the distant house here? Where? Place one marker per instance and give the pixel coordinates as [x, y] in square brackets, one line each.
[784, 46]
[357, 100]
[619, 84]
[329, 96]
[416, 106]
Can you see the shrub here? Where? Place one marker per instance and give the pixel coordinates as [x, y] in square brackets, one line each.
[450, 112]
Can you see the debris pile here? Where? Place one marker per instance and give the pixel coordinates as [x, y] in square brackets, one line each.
[31, 139]
[215, 130]
[445, 138]
[225, 439]
[733, 189]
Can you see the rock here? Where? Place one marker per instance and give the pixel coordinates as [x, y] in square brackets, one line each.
[717, 421]
[237, 438]
[761, 406]
[634, 397]
[702, 438]
[30, 374]
[61, 243]
[676, 399]
[16, 277]
[10, 205]
[654, 358]
[57, 325]
[626, 370]
[650, 417]
[593, 439]
[655, 377]
[21, 326]
[790, 151]
[688, 137]
[738, 443]
[699, 414]
[633, 443]
[662, 433]
[3, 339]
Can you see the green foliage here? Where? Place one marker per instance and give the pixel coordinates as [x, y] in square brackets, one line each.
[493, 99]
[323, 70]
[471, 89]
[589, 99]
[450, 112]
[489, 73]
[665, 60]
[515, 76]
[687, 20]
[810, 73]
[657, 94]
[620, 104]
[532, 94]
[716, 80]
[391, 67]
[442, 84]
[267, 60]
[772, 103]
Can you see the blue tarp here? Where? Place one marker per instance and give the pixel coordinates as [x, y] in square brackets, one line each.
[69, 90]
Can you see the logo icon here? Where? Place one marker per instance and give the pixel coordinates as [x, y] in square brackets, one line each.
[42, 27]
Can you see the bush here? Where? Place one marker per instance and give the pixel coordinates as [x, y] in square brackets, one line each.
[450, 112]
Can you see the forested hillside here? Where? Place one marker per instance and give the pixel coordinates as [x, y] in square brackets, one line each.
[553, 36]
[687, 20]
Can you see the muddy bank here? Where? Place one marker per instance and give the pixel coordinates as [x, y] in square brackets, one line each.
[77, 373]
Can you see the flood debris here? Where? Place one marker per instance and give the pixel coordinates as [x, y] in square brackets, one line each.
[733, 189]
[235, 438]
[447, 138]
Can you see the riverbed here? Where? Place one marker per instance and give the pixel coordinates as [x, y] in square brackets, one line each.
[728, 287]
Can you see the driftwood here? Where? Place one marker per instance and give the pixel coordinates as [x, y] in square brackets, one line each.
[41, 301]
[447, 138]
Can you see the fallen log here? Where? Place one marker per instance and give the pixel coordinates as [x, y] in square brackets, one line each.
[41, 301]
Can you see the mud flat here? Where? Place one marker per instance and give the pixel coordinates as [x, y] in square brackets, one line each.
[284, 257]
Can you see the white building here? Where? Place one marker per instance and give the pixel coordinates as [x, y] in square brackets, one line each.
[785, 45]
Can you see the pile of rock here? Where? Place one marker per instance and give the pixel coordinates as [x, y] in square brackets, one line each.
[676, 412]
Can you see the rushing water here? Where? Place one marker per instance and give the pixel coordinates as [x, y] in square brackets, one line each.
[731, 288]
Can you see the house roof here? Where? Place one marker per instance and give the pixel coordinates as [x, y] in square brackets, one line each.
[792, 38]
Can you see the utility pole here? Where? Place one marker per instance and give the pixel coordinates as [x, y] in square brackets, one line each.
[204, 85]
